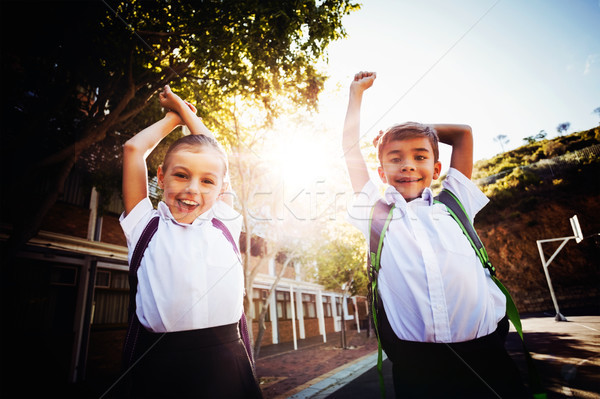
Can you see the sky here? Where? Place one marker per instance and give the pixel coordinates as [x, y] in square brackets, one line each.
[511, 67]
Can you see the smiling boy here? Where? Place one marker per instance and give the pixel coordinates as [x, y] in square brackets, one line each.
[442, 320]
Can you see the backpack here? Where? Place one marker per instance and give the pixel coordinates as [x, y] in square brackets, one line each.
[381, 216]
[135, 328]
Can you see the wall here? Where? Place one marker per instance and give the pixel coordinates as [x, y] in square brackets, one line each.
[510, 236]
[267, 338]
[67, 219]
[311, 327]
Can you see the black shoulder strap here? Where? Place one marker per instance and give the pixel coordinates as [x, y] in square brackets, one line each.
[221, 226]
[381, 215]
[134, 328]
[379, 223]
[458, 213]
[139, 250]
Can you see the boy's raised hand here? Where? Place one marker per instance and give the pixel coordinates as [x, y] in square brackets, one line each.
[362, 81]
[357, 168]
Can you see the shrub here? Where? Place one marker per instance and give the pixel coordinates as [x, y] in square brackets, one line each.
[554, 148]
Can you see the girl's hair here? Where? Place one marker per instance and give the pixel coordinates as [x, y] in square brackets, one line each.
[407, 130]
[195, 143]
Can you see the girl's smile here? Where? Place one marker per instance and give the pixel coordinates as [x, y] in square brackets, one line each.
[192, 182]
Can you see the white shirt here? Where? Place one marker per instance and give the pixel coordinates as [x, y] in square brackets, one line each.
[189, 277]
[432, 284]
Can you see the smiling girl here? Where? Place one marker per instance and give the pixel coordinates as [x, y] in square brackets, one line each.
[183, 339]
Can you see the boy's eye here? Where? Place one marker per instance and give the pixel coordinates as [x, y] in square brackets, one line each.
[180, 175]
[207, 181]
[420, 158]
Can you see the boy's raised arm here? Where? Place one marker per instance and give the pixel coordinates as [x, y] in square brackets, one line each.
[135, 152]
[460, 137]
[186, 111]
[357, 168]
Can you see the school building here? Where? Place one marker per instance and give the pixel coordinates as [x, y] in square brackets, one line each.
[68, 294]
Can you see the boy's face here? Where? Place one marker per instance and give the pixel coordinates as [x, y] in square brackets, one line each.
[192, 182]
[408, 165]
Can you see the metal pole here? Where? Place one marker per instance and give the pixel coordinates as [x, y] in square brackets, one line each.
[559, 316]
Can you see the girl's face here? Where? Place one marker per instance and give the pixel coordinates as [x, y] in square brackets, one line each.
[409, 166]
[192, 182]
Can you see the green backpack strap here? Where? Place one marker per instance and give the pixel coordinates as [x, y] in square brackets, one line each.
[381, 215]
[457, 211]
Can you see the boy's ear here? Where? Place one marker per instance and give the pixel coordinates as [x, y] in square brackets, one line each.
[437, 169]
[160, 175]
[382, 174]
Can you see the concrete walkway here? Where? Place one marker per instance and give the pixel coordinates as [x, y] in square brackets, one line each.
[567, 355]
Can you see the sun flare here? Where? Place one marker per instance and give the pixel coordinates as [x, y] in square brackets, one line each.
[299, 160]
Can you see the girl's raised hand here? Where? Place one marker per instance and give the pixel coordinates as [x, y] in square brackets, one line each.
[172, 101]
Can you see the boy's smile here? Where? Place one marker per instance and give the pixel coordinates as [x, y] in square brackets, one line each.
[192, 182]
[409, 166]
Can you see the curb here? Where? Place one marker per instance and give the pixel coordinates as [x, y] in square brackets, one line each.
[325, 385]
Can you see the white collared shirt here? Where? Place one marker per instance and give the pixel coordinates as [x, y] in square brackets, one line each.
[189, 277]
[432, 285]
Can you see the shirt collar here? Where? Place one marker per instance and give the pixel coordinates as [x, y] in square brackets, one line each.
[392, 196]
[165, 213]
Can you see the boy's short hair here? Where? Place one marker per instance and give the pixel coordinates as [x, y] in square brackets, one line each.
[407, 130]
[195, 143]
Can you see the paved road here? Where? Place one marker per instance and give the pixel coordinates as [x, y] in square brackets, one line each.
[567, 355]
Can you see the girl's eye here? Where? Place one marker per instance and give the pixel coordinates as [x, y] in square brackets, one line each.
[207, 181]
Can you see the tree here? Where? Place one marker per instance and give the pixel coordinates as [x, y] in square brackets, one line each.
[83, 74]
[339, 254]
[532, 139]
[563, 127]
[502, 139]
[541, 135]
[259, 198]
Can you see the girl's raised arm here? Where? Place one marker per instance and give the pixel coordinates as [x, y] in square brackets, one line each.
[186, 111]
[135, 152]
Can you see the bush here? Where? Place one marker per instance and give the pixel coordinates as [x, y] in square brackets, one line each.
[554, 148]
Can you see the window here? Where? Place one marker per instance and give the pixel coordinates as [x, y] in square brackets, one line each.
[284, 305]
[63, 275]
[258, 297]
[338, 306]
[111, 297]
[327, 306]
[309, 305]
[103, 279]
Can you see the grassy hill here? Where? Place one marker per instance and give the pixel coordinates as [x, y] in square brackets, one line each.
[533, 192]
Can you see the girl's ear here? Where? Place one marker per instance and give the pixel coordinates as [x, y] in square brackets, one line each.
[225, 195]
[437, 169]
[382, 175]
[160, 174]
[224, 187]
